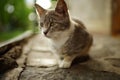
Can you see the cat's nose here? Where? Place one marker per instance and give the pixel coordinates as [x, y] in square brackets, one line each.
[45, 32]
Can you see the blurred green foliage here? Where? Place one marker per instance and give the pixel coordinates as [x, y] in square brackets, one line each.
[13, 18]
[18, 19]
[5, 36]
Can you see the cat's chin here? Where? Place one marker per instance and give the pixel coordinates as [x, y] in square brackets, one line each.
[51, 37]
[48, 36]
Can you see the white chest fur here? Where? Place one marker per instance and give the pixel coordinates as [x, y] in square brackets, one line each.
[62, 38]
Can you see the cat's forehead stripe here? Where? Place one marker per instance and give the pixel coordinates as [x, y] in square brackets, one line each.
[52, 13]
[51, 16]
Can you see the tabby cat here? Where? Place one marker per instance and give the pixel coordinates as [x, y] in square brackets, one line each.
[69, 38]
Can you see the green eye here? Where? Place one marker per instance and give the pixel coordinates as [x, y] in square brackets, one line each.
[52, 24]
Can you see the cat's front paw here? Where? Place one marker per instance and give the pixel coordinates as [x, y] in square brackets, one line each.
[64, 64]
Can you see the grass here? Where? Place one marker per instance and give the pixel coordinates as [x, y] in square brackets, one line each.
[8, 35]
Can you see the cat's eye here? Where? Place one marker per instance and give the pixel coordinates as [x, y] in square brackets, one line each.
[41, 24]
[52, 24]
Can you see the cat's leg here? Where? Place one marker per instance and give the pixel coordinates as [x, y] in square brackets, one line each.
[66, 61]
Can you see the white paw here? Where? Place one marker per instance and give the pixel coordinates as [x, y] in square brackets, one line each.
[64, 64]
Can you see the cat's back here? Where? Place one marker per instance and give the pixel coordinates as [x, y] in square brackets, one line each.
[78, 40]
[80, 24]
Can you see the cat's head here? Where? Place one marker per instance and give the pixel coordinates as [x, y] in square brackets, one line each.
[54, 22]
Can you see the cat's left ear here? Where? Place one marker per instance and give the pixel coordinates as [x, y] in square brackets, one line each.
[61, 7]
[40, 10]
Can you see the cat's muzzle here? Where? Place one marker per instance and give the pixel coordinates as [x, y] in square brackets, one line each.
[45, 32]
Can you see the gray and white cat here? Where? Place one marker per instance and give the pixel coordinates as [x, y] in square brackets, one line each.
[69, 38]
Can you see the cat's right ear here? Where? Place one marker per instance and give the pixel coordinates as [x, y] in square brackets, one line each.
[40, 10]
[61, 7]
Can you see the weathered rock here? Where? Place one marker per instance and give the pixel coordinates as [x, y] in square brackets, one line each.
[78, 72]
[7, 63]
[12, 61]
[35, 62]
[103, 63]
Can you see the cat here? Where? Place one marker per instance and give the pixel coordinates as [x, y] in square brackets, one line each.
[69, 37]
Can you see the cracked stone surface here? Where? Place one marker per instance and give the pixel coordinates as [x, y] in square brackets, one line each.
[103, 65]
[104, 62]
[78, 72]
[13, 74]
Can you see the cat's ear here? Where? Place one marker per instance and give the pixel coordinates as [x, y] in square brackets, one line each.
[40, 10]
[61, 7]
